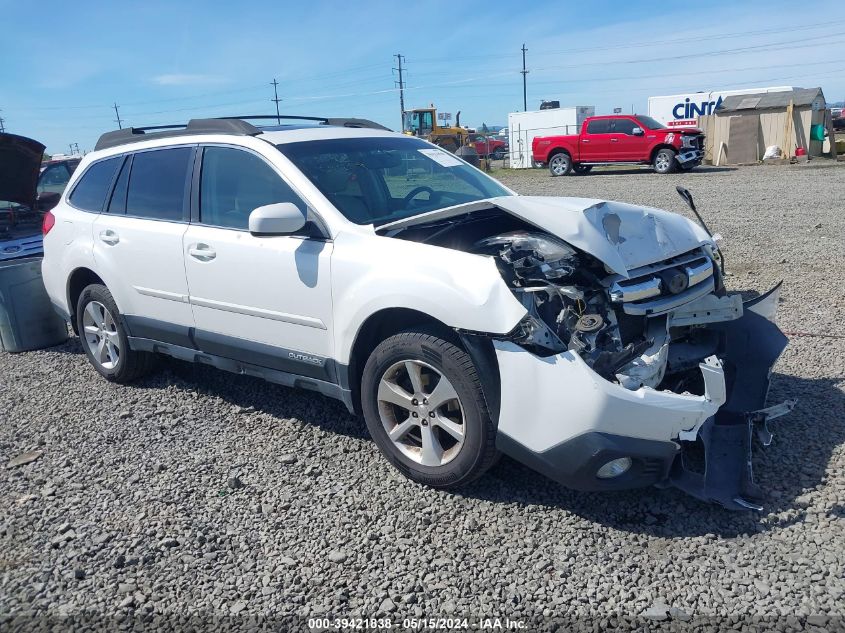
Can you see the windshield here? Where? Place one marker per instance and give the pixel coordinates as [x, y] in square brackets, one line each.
[650, 123]
[383, 179]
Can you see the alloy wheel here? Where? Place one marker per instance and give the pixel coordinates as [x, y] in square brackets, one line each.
[662, 162]
[421, 413]
[559, 165]
[100, 335]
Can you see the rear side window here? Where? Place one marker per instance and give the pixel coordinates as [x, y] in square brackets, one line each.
[117, 204]
[91, 190]
[157, 184]
[234, 183]
[598, 126]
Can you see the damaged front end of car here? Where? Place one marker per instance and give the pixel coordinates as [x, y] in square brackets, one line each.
[667, 327]
[633, 365]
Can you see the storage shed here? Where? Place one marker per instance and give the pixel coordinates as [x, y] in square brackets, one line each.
[743, 126]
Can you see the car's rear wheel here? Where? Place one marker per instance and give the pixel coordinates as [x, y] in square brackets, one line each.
[560, 164]
[664, 161]
[425, 409]
[104, 338]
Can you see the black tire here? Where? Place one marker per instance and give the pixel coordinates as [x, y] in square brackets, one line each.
[560, 164]
[499, 154]
[478, 451]
[582, 169]
[688, 166]
[129, 365]
[664, 162]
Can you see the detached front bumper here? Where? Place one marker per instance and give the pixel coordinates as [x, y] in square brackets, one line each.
[560, 418]
[693, 156]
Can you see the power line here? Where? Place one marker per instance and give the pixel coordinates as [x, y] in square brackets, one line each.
[524, 84]
[642, 43]
[401, 83]
[117, 114]
[276, 100]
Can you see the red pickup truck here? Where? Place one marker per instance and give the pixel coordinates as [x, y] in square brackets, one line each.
[620, 139]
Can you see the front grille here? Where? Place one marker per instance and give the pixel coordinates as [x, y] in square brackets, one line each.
[659, 288]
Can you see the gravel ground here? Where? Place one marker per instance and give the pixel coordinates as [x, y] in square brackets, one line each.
[197, 493]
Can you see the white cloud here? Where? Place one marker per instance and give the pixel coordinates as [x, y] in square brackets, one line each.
[187, 79]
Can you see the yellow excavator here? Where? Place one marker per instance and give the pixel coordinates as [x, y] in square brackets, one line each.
[422, 122]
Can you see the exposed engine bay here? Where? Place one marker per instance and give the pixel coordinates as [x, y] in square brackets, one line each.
[621, 326]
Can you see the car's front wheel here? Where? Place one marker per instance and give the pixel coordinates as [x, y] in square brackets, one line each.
[664, 161]
[104, 339]
[425, 409]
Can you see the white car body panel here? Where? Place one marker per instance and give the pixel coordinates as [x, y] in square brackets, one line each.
[144, 269]
[271, 290]
[636, 236]
[462, 290]
[70, 246]
[577, 401]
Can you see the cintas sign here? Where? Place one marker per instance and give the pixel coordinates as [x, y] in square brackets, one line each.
[683, 110]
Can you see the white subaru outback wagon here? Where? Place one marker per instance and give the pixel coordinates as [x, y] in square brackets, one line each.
[593, 341]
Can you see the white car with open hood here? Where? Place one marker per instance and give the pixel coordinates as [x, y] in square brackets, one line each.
[592, 340]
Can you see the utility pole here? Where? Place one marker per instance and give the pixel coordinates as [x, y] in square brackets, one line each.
[524, 87]
[276, 100]
[2, 126]
[117, 114]
[74, 148]
[399, 57]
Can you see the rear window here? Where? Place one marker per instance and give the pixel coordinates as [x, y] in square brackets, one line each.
[598, 126]
[157, 184]
[90, 192]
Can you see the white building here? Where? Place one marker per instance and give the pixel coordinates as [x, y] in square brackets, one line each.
[524, 126]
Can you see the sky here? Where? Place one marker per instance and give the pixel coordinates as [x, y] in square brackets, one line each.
[64, 64]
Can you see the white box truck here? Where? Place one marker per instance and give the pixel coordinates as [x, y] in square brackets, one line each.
[524, 126]
[683, 110]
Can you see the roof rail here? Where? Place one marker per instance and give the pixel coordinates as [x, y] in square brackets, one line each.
[357, 123]
[237, 125]
[194, 126]
[344, 122]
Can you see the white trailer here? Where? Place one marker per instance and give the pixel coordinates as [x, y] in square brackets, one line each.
[524, 126]
[683, 110]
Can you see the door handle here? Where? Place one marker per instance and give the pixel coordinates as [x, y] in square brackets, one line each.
[585, 140]
[202, 252]
[109, 237]
[614, 140]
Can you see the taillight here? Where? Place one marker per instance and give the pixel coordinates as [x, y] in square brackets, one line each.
[48, 223]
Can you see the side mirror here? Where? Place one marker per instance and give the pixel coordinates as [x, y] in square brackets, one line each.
[282, 218]
[637, 131]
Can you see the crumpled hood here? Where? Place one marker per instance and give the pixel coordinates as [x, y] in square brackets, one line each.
[623, 236]
[20, 161]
